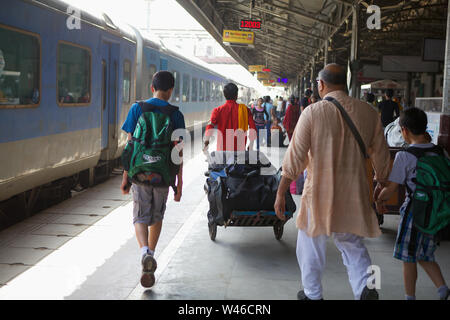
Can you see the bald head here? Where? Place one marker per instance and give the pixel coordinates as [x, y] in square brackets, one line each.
[333, 77]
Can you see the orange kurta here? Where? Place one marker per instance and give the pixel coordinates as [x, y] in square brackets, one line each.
[336, 189]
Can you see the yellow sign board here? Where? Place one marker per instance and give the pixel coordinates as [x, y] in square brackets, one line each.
[236, 36]
[263, 76]
[256, 68]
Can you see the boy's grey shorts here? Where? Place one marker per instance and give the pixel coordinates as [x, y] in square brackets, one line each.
[149, 203]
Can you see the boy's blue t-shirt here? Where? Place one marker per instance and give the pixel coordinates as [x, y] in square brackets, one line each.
[135, 112]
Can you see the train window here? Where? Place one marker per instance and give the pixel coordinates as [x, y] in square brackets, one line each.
[208, 91]
[176, 90]
[202, 91]
[163, 64]
[152, 71]
[126, 81]
[213, 91]
[104, 83]
[194, 90]
[74, 74]
[19, 68]
[221, 96]
[186, 87]
[218, 92]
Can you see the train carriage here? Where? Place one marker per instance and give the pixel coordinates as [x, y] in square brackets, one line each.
[60, 93]
[66, 87]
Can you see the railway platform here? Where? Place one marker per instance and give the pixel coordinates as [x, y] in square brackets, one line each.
[85, 249]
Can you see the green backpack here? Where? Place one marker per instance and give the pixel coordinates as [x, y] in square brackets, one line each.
[430, 202]
[147, 157]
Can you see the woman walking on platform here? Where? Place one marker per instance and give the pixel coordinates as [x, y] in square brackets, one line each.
[291, 118]
[260, 116]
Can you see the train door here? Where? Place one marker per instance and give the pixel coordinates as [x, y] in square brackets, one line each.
[110, 81]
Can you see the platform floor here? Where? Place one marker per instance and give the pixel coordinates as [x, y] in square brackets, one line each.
[84, 248]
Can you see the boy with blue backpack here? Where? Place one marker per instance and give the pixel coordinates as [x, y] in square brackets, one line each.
[149, 167]
[424, 169]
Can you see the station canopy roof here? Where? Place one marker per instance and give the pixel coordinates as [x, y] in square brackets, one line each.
[293, 32]
[384, 84]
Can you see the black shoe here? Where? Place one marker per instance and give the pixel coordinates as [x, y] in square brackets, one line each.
[369, 294]
[302, 296]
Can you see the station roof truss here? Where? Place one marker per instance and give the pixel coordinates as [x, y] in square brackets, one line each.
[294, 33]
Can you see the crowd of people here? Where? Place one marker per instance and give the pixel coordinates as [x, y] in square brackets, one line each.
[278, 117]
[332, 137]
[389, 108]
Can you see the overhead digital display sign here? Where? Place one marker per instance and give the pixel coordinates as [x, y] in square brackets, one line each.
[250, 24]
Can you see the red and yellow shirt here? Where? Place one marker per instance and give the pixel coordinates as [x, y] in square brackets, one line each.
[226, 119]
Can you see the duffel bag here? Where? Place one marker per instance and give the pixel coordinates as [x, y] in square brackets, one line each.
[253, 192]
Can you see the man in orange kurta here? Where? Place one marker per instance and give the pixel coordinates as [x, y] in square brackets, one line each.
[335, 200]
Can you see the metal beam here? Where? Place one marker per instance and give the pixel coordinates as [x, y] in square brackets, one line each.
[292, 40]
[288, 25]
[347, 3]
[283, 51]
[276, 37]
[273, 28]
[300, 14]
[284, 66]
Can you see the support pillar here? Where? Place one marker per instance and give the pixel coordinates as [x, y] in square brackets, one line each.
[354, 53]
[305, 81]
[325, 53]
[444, 128]
[408, 90]
[446, 89]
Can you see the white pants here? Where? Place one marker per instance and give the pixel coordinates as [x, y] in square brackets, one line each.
[311, 253]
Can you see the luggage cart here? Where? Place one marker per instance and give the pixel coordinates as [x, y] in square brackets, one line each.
[253, 219]
[249, 218]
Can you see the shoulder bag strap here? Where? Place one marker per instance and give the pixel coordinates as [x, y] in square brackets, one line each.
[145, 106]
[420, 152]
[351, 125]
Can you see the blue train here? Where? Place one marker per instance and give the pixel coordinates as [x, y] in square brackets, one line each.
[66, 86]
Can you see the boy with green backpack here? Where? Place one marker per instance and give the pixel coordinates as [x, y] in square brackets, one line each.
[424, 169]
[149, 166]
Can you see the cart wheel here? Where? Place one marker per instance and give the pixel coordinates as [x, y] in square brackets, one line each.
[278, 230]
[212, 231]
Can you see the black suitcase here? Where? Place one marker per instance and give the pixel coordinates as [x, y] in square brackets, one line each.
[242, 187]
